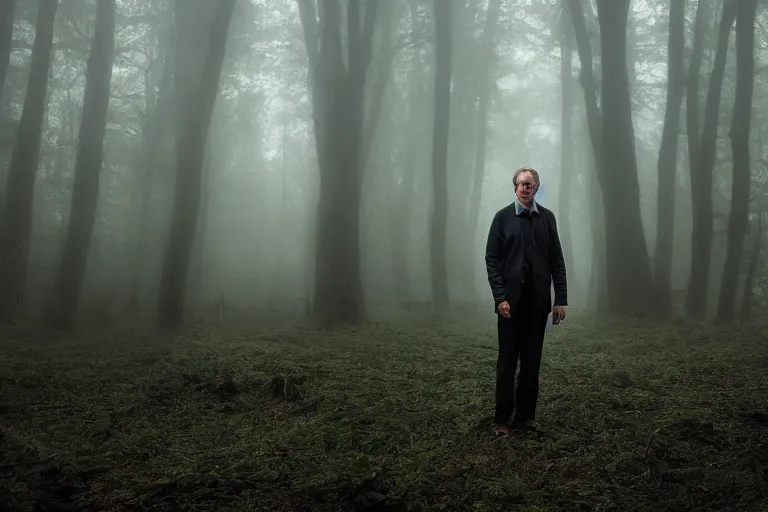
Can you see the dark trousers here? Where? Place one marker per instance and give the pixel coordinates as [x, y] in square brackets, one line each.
[521, 337]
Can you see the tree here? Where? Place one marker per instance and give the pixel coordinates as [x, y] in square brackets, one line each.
[701, 176]
[667, 162]
[16, 230]
[745, 314]
[156, 129]
[566, 133]
[88, 162]
[598, 285]
[692, 107]
[7, 8]
[627, 264]
[338, 94]
[741, 123]
[486, 84]
[195, 113]
[439, 220]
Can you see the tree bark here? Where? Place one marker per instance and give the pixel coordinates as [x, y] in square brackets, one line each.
[627, 264]
[17, 221]
[566, 136]
[692, 86]
[485, 85]
[88, 162]
[598, 279]
[338, 93]
[745, 314]
[597, 296]
[400, 226]
[667, 162]
[155, 130]
[7, 8]
[441, 122]
[692, 104]
[190, 149]
[402, 192]
[701, 180]
[587, 79]
[468, 70]
[383, 72]
[741, 122]
[198, 259]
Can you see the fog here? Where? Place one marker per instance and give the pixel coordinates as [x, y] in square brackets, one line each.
[243, 254]
[254, 221]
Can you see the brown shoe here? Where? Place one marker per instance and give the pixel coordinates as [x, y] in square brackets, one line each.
[501, 429]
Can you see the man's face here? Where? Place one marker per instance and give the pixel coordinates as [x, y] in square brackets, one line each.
[525, 189]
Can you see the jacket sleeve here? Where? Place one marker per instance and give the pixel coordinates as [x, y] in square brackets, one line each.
[557, 265]
[493, 259]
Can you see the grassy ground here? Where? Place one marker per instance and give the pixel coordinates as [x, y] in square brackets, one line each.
[264, 415]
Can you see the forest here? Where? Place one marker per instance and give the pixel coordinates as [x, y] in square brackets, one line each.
[242, 253]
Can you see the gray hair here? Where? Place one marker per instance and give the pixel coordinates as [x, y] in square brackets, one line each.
[521, 170]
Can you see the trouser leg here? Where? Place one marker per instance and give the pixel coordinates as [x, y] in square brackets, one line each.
[506, 366]
[531, 347]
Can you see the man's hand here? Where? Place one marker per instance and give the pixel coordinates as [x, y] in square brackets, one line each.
[558, 314]
[504, 309]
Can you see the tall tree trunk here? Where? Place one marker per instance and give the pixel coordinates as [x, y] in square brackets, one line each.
[692, 87]
[745, 315]
[485, 84]
[627, 264]
[667, 162]
[692, 103]
[338, 93]
[566, 135]
[701, 180]
[741, 123]
[383, 72]
[17, 221]
[7, 8]
[190, 148]
[598, 284]
[277, 283]
[597, 295]
[598, 279]
[198, 260]
[156, 128]
[402, 192]
[400, 227]
[441, 122]
[88, 162]
[462, 140]
[587, 79]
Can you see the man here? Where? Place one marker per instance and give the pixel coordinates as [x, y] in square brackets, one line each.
[524, 258]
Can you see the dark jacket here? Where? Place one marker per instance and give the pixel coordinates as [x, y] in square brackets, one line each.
[504, 253]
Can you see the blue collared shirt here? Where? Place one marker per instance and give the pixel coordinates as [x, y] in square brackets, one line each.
[519, 208]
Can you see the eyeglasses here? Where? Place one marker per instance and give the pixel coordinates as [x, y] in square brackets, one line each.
[526, 185]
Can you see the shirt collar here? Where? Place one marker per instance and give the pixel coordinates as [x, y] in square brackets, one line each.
[519, 208]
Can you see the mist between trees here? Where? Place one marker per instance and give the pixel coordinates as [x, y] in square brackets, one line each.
[163, 158]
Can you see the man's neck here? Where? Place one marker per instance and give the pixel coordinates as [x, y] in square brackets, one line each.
[520, 207]
[526, 204]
